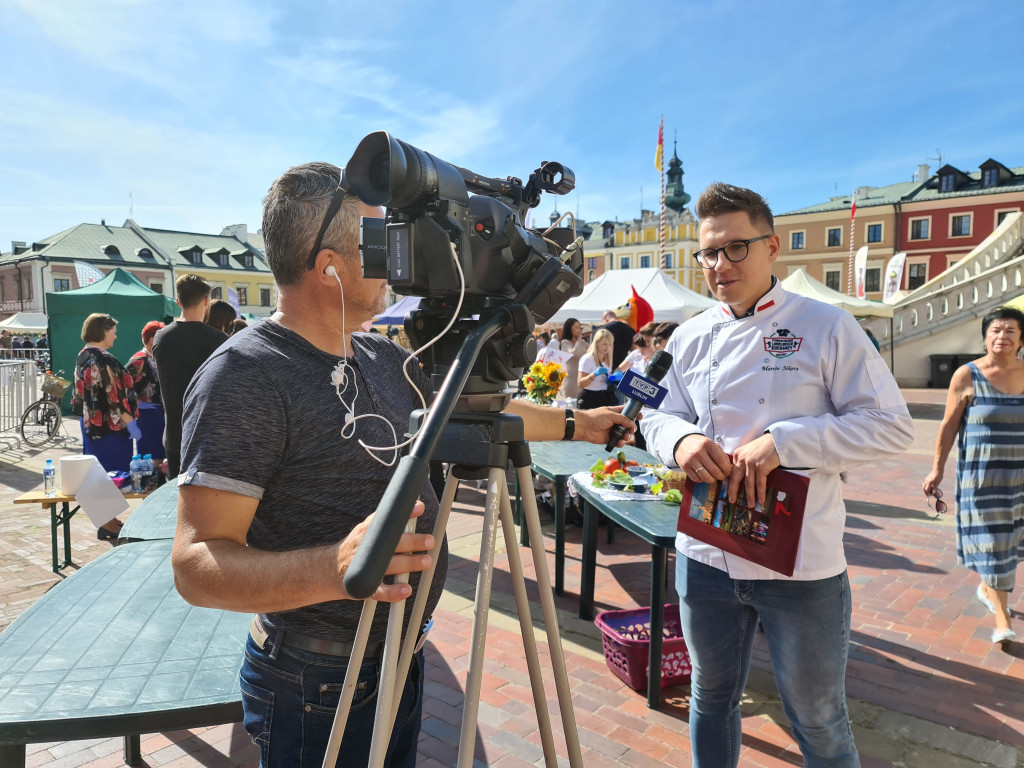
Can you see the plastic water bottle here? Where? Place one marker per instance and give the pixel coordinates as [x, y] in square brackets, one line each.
[147, 470]
[49, 478]
[136, 471]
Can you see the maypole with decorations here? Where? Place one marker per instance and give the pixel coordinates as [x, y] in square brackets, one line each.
[849, 275]
[659, 163]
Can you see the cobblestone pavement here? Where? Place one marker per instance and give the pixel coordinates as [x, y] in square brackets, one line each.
[927, 688]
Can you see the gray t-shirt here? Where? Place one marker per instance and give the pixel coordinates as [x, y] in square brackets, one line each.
[262, 419]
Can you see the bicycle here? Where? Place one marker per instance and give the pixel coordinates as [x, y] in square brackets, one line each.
[42, 419]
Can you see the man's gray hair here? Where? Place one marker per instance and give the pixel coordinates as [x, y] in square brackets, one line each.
[293, 212]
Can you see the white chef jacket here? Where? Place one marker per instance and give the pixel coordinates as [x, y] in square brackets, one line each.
[807, 373]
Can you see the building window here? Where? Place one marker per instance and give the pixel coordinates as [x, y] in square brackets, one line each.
[222, 259]
[797, 241]
[264, 297]
[1001, 215]
[917, 276]
[874, 233]
[158, 287]
[197, 257]
[919, 229]
[590, 275]
[145, 253]
[873, 279]
[835, 236]
[990, 178]
[247, 260]
[111, 250]
[946, 183]
[216, 293]
[624, 262]
[960, 226]
[668, 260]
[834, 279]
[591, 262]
[61, 284]
[645, 261]
[243, 295]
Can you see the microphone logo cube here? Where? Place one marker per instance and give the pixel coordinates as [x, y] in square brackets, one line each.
[635, 386]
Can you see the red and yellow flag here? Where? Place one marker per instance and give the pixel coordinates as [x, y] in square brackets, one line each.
[661, 144]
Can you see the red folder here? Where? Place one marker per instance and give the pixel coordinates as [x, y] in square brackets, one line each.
[768, 536]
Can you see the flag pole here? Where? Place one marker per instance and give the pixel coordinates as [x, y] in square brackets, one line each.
[849, 274]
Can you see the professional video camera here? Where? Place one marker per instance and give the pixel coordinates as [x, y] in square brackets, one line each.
[506, 268]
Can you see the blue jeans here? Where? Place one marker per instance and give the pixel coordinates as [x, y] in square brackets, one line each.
[807, 625]
[289, 698]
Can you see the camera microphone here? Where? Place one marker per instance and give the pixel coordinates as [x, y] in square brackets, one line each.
[643, 390]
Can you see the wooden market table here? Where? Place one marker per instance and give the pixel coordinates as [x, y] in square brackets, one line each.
[60, 519]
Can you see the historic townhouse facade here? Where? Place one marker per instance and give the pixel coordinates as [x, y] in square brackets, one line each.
[935, 219]
[233, 262]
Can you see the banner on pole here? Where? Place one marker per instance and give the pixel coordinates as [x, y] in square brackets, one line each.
[660, 153]
[894, 276]
[860, 269]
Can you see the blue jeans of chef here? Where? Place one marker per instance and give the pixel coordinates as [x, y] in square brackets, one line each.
[289, 697]
[807, 625]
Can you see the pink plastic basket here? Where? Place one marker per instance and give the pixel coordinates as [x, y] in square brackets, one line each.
[626, 638]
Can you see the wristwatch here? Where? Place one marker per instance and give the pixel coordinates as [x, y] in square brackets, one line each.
[570, 424]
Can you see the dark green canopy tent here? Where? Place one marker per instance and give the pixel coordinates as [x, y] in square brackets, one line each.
[122, 296]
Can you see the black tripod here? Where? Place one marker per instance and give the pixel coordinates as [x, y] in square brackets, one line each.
[479, 446]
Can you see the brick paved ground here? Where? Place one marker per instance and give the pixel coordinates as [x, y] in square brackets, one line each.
[927, 688]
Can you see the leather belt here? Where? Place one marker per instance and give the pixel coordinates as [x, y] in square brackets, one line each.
[259, 634]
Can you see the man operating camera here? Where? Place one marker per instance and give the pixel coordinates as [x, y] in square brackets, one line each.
[277, 486]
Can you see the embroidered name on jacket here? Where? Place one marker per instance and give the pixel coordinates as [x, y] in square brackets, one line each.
[782, 343]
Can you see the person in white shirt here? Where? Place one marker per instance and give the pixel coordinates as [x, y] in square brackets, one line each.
[593, 372]
[769, 379]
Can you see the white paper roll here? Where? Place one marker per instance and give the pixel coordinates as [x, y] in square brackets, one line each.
[73, 470]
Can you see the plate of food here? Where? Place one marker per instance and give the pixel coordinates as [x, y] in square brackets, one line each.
[634, 483]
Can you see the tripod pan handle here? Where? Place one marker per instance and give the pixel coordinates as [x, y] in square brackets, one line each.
[370, 562]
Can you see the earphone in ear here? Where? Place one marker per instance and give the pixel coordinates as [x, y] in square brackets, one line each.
[331, 271]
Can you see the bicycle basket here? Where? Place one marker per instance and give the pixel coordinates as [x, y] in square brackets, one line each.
[55, 386]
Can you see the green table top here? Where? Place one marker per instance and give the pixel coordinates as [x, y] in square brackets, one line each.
[156, 517]
[558, 460]
[113, 649]
[653, 521]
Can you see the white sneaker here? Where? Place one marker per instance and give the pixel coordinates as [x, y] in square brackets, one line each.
[1003, 635]
[980, 594]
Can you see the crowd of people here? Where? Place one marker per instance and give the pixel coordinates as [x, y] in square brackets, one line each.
[135, 407]
[13, 347]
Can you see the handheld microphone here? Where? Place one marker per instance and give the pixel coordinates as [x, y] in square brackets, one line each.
[644, 390]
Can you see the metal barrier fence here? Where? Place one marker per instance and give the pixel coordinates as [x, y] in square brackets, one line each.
[19, 388]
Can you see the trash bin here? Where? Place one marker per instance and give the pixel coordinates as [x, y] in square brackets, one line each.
[942, 370]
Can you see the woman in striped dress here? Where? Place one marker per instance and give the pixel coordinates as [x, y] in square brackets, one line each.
[985, 408]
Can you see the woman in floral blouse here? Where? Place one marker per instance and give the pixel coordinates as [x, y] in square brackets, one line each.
[105, 400]
[142, 368]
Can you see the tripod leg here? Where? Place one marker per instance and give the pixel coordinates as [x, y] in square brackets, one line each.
[515, 567]
[389, 692]
[451, 486]
[348, 688]
[547, 601]
[485, 576]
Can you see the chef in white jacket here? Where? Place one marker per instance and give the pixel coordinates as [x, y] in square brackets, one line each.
[766, 379]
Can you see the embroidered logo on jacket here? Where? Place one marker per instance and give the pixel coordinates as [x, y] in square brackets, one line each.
[782, 343]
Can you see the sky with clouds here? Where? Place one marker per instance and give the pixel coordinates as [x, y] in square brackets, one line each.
[181, 114]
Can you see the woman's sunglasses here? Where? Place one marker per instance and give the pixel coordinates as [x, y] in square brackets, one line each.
[940, 505]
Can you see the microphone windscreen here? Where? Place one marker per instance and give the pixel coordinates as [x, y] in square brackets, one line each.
[661, 361]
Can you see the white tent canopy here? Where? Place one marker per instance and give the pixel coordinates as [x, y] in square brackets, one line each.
[25, 322]
[804, 285]
[669, 300]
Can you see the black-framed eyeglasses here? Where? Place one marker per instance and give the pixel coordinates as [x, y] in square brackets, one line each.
[735, 251]
[940, 505]
[332, 210]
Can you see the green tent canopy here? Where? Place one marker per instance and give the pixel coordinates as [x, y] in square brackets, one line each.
[122, 296]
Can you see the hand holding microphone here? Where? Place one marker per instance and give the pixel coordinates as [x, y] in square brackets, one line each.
[646, 389]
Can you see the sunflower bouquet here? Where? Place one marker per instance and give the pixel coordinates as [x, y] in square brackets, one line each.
[542, 382]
